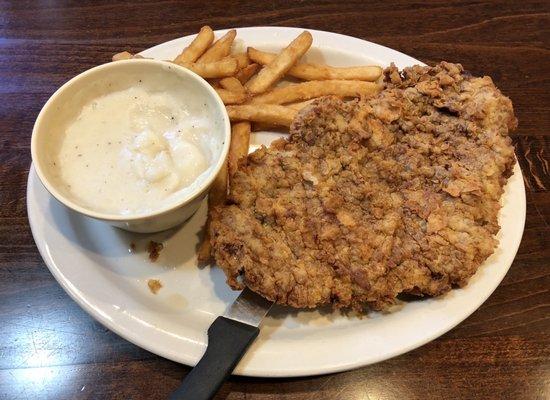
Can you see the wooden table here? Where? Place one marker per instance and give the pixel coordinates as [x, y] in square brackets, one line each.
[50, 348]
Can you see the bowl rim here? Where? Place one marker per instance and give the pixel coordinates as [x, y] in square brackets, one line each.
[192, 195]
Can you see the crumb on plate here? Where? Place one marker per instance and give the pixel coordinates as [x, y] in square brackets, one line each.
[154, 285]
[154, 249]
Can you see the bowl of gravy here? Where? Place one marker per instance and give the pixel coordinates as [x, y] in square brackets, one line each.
[133, 143]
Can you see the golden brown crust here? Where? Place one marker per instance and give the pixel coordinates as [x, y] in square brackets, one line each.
[370, 199]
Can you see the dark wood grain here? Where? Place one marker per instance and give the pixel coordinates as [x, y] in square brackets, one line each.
[51, 349]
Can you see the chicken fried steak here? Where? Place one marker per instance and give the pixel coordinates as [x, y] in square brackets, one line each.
[369, 199]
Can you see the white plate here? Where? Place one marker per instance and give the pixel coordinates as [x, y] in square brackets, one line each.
[92, 262]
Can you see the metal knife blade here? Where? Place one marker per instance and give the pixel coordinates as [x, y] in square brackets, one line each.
[229, 336]
[249, 308]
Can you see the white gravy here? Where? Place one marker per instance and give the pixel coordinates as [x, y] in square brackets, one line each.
[133, 151]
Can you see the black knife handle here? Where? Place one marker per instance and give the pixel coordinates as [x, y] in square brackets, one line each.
[227, 342]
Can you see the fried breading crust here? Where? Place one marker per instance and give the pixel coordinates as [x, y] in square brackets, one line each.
[370, 199]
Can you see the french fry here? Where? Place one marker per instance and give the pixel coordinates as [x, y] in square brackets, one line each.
[268, 113]
[220, 49]
[318, 72]
[242, 59]
[246, 73]
[264, 126]
[275, 70]
[216, 196]
[204, 253]
[233, 84]
[216, 69]
[298, 106]
[124, 55]
[240, 140]
[218, 190]
[309, 90]
[198, 46]
[229, 97]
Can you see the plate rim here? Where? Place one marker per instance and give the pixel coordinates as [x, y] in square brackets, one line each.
[127, 334]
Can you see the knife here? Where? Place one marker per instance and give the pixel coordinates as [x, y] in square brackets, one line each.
[228, 338]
